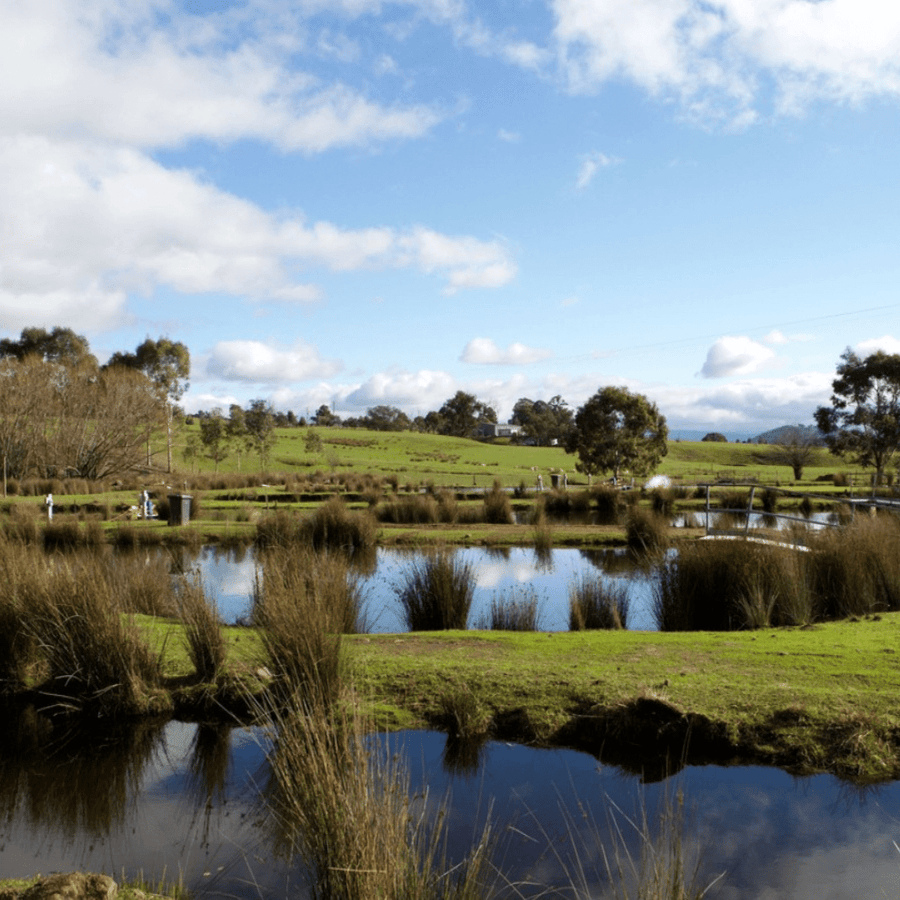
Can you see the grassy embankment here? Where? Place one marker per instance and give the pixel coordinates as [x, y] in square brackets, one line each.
[810, 699]
[374, 469]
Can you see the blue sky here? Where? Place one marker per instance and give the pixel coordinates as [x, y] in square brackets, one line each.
[357, 202]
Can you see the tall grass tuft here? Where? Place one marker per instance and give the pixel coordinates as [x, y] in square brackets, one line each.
[94, 658]
[662, 867]
[410, 509]
[726, 585]
[305, 601]
[511, 614]
[437, 593]
[647, 531]
[343, 806]
[541, 528]
[497, 508]
[202, 630]
[334, 527]
[606, 502]
[594, 604]
[856, 569]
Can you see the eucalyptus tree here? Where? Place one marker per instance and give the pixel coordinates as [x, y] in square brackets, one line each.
[863, 420]
[617, 430]
[167, 365]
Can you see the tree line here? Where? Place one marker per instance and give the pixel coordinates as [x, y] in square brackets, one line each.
[62, 414]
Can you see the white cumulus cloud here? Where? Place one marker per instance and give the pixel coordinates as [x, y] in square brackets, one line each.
[886, 343]
[718, 58]
[485, 351]
[255, 361]
[734, 356]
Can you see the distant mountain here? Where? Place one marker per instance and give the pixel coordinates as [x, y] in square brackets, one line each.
[788, 433]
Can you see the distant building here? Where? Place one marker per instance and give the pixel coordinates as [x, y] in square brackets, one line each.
[497, 430]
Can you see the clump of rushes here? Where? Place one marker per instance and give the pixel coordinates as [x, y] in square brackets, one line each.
[856, 569]
[729, 585]
[202, 630]
[595, 604]
[333, 526]
[410, 509]
[497, 508]
[606, 502]
[305, 601]
[506, 614]
[437, 593]
[647, 531]
[142, 583]
[94, 658]
[543, 532]
[344, 807]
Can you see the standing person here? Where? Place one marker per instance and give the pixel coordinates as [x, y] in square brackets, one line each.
[48, 502]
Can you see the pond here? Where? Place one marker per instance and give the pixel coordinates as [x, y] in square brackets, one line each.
[176, 798]
[229, 577]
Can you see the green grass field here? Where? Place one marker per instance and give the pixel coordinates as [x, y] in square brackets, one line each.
[461, 462]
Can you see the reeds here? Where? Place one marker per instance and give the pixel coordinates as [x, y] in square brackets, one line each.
[856, 569]
[437, 593]
[647, 531]
[512, 614]
[344, 807]
[725, 585]
[541, 529]
[305, 601]
[203, 635]
[331, 527]
[662, 867]
[595, 604]
[92, 656]
[497, 507]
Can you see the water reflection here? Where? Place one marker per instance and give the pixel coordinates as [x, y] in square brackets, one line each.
[498, 572]
[185, 798]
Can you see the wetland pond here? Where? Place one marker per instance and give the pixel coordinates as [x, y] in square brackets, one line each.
[173, 799]
[176, 799]
[515, 572]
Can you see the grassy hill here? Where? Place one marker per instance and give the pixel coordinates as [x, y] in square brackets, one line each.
[415, 459]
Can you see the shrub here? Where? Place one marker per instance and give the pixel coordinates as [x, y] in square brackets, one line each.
[438, 593]
[594, 604]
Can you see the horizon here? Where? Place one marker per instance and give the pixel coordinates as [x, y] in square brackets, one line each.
[382, 202]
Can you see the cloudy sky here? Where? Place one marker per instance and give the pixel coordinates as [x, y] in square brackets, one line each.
[357, 202]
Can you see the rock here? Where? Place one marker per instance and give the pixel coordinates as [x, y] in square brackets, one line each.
[72, 886]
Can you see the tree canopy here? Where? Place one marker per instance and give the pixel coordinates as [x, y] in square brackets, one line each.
[461, 413]
[61, 346]
[863, 420]
[617, 430]
[543, 421]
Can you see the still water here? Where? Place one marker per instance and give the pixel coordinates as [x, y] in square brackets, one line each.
[517, 572]
[180, 799]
